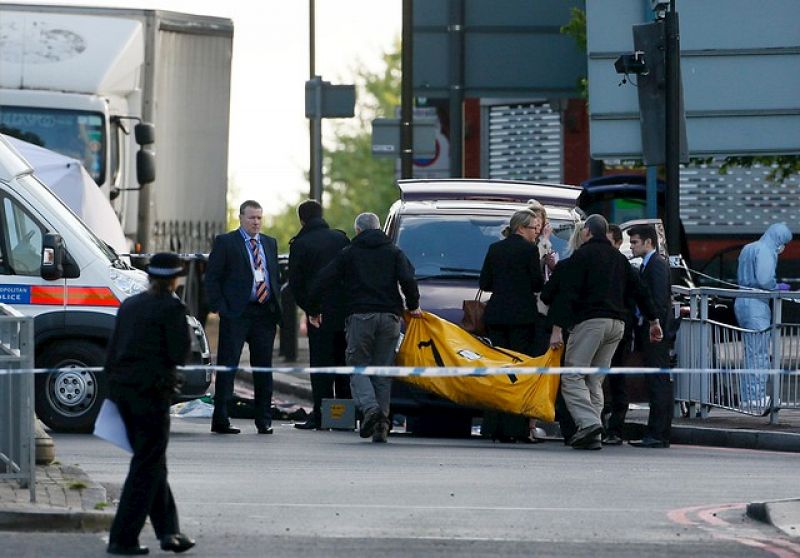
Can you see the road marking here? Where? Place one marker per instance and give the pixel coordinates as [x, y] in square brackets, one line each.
[708, 519]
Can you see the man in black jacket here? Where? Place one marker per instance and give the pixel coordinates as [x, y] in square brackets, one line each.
[312, 249]
[595, 286]
[371, 269]
[655, 275]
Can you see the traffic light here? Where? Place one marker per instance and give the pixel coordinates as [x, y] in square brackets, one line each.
[649, 39]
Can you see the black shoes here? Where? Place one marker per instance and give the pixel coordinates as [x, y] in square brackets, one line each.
[221, 429]
[612, 440]
[224, 429]
[371, 420]
[587, 438]
[648, 442]
[310, 424]
[121, 550]
[177, 543]
[381, 433]
[173, 543]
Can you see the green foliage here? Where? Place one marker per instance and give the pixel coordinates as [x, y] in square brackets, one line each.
[77, 485]
[232, 214]
[284, 225]
[783, 166]
[354, 181]
[576, 27]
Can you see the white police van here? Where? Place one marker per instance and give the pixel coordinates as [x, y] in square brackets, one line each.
[73, 296]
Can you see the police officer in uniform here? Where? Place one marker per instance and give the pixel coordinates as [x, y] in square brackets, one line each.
[150, 339]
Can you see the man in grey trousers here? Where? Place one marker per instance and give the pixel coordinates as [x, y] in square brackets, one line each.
[370, 269]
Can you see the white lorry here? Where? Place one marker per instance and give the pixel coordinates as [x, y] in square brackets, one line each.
[77, 80]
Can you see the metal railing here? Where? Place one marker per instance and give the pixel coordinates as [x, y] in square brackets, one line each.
[17, 412]
[737, 357]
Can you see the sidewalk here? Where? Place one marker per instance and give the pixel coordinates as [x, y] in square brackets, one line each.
[727, 429]
[66, 500]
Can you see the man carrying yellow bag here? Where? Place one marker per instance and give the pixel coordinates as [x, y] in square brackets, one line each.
[433, 342]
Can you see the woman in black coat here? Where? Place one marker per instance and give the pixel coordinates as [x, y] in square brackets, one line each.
[512, 273]
[150, 339]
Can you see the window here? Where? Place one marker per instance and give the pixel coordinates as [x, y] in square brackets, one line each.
[77, 134]
[457, 244]
[23, 240]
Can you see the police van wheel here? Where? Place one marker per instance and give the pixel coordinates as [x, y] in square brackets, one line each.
[69, 398]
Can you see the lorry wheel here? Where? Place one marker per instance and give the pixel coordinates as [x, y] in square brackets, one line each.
[69, 399]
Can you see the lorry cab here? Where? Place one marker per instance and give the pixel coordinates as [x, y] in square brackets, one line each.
[73, 311]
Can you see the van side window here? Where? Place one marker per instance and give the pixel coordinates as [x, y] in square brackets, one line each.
[22, 240]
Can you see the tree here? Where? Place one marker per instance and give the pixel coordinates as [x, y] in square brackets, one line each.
[354, 181]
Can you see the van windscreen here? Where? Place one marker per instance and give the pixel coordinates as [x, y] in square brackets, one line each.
[455, 245]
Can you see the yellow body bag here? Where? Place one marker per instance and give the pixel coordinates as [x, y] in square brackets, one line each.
[433, 342]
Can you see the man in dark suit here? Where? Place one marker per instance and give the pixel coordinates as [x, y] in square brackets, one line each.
[615, 407]
[314, 246]
[242, 286]
[655, 275]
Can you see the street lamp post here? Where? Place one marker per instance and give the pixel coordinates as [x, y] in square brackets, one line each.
[314, 123]
[673, 127]
[407, 93]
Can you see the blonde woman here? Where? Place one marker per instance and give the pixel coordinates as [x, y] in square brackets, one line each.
[512, 273]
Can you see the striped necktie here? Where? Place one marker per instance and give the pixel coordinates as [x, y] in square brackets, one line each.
[262, 292]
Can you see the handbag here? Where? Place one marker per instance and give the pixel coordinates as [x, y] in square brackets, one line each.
[473, 315]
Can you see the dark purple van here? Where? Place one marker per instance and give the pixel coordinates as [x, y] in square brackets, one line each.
[445, 228]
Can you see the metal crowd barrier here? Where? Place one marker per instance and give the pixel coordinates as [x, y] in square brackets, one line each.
[17, 411]
[736, 357]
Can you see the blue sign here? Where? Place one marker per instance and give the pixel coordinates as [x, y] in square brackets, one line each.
[15, 294]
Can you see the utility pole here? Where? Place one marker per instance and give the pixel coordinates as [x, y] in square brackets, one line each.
[673, 129]
[407, 93]
[455, 30]
[315, 123]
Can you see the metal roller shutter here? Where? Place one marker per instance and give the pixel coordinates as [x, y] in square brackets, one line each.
[743, 201]
[524, 142]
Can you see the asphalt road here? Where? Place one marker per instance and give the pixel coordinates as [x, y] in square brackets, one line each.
[332, 494]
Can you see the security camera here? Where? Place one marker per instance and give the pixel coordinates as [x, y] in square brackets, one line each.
[660, 8]
[631, 64]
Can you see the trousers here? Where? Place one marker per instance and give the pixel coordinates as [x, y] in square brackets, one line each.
[372, 341]
[256, 327]
[327, 348]
[754, 315]
[146, 492]
[591, 344]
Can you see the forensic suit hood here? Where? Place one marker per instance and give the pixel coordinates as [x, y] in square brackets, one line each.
[758, 259]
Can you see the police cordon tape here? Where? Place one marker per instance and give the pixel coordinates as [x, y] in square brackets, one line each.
[431, 371]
